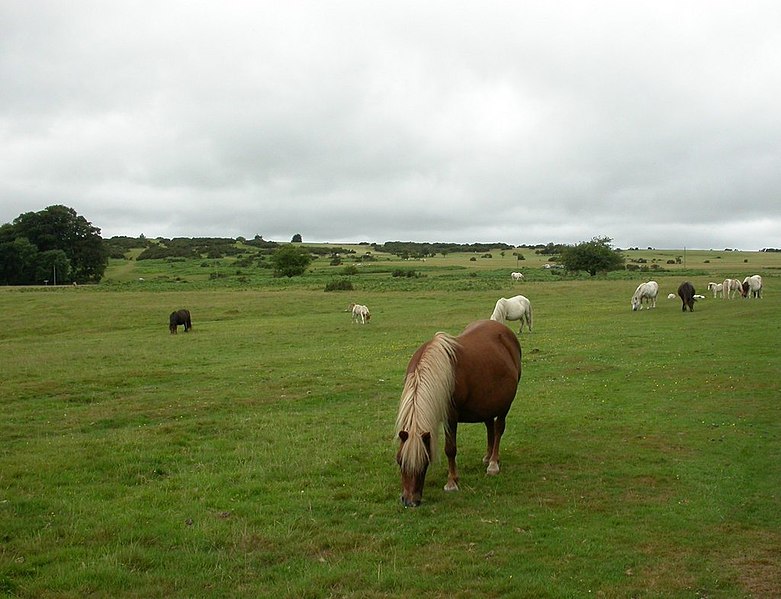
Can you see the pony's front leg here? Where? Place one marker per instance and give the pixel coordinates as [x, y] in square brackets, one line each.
[450, 452]
[493, 460]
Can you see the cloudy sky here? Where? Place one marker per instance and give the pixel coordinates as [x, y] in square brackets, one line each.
[653, 123]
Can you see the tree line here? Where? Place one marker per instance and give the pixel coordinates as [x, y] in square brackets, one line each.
[57, 245]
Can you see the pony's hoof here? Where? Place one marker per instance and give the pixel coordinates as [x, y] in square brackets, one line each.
[493, 469]
[451, 486]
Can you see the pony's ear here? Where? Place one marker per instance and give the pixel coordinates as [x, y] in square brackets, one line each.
[403, 435]
[426, 437]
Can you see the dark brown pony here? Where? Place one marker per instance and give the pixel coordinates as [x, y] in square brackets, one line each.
[177, 318]
[686, 293]
[469, 378]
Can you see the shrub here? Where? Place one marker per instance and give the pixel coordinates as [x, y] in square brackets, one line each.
[339, 285]
[410, 274]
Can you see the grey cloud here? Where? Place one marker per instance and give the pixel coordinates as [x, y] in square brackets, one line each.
[654, 124]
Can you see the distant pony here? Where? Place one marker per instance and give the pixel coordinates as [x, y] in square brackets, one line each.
[360, 313]
[670, 296]
[730, 287]
[686, 293]
[752, 287]
[645, 291]
[716, 288]
[177, 318]
[515, 308]
[516, 276]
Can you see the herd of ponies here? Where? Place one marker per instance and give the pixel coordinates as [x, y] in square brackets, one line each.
[446, 379]
[519, 307]
[646, 293]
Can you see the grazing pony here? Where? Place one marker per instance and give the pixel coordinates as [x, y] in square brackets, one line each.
[360, 313]
[516, 276]
[469, 378]
[515, 308]
[177, 318]
[752, 287]
[716, 288]
[645, 291]
[686, 293]
[730, 287]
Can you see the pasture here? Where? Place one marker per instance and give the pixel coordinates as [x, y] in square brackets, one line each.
[254, 455]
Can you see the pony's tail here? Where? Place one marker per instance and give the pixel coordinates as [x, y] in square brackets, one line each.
[530, 317]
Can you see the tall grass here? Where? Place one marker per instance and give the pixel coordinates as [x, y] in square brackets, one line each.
[255, 455]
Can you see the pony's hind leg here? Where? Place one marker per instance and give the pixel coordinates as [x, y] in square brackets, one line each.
[497, 426]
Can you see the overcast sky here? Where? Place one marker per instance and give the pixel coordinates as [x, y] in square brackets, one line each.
[653, 123]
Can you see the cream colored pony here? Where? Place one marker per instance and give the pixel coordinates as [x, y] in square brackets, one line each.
[731, 287]
[716, 288]
[515, 308]
[752, 286]
[360, 313]
[645, 291]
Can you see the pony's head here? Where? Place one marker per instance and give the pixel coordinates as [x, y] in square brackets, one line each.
[635, 302]
[413, 457]
[744, 289]
[423, 409]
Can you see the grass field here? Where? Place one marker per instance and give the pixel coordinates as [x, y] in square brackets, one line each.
[254, 456]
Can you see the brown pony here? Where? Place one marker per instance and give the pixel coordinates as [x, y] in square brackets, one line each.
[469, 378]
[686, 293]
[177, 318]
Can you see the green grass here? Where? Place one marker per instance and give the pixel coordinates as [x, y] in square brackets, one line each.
[255, 455]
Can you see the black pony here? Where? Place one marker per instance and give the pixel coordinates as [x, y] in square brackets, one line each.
[686, 291]
[177, 318]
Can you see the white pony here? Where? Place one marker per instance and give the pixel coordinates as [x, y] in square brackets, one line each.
[730, 287]
[515, 308]
[360, 313]
[752, 286]
[716, 288]
[671, 296]
[645, 291]
[516, 276]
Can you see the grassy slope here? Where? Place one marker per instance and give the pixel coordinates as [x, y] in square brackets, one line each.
[255, 455]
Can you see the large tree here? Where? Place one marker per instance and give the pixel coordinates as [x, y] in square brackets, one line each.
[55, 239]
[592, 256]
[290, 261]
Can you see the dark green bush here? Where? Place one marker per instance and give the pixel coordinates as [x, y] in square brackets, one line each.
[339, 285]
[402, 272]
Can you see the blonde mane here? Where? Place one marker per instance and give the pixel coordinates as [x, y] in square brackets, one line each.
[426, 400]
